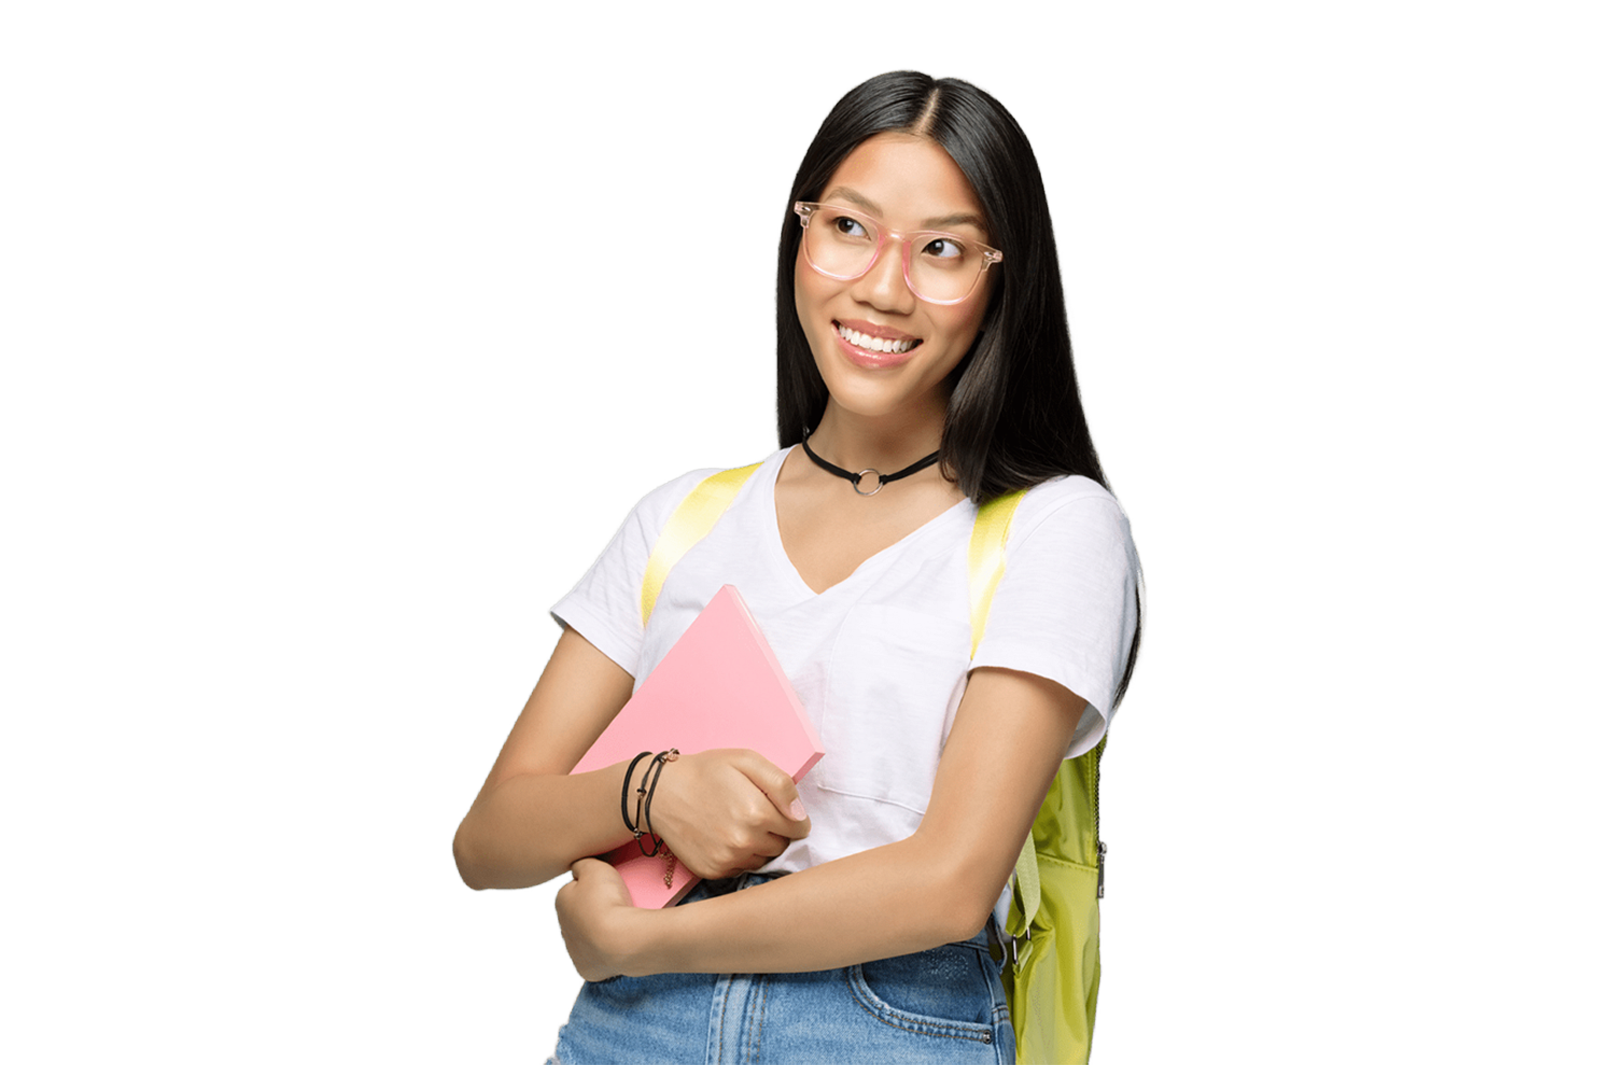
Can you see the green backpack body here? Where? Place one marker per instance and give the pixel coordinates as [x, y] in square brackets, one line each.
[1052, 970]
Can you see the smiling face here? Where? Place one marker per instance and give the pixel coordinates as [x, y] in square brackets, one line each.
[881, 350]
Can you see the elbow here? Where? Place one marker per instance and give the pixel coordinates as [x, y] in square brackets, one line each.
[964, 918]
[963, 907]
[484, 864]
[969, 913]
[466, 867]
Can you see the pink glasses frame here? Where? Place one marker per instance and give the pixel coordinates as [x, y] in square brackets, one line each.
[990, 255]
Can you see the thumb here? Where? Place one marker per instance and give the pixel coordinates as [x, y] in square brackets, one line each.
[778, 785]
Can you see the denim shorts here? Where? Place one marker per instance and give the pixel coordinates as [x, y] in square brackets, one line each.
[941, 1005]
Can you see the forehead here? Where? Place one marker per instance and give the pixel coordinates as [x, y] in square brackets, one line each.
[907, 180]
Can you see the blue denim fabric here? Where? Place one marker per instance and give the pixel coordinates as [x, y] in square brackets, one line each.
[940, 1005]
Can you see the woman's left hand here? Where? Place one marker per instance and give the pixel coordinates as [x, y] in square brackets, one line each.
[592, 910]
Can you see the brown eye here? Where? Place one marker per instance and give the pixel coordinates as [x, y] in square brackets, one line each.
[849, 227]
[945, 249]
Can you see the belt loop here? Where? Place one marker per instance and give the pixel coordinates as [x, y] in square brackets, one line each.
[997, 945]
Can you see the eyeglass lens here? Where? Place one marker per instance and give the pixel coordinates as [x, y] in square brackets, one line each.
[841, 243]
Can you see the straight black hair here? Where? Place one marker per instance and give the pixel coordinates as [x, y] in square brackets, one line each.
[1015, 418]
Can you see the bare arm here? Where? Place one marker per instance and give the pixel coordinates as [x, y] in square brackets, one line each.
[720, 811]
[531, 820]
[935, 887]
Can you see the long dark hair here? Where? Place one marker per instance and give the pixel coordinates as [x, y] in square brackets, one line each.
[1015, 418]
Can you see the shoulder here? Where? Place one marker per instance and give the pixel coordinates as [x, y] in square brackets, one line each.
[605, 603]
[1073, 507]
[650, 514]
[658, 505]
[1067, 607]
[668, 494]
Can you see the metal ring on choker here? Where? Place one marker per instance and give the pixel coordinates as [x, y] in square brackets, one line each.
[855, 478]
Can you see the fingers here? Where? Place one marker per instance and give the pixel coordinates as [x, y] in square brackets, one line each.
[726, 811]
[758, 855]
[776, 845]
[780, 791]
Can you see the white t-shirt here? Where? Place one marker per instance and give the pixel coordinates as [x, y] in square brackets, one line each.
[880, 660]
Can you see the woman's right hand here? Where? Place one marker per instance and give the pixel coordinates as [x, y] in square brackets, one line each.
[726, 811]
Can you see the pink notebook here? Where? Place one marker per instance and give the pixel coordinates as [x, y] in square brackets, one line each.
[719, 686]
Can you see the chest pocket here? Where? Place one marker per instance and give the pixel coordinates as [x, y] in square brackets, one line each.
[894, 678]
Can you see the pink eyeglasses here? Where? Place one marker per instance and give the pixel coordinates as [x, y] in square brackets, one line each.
[844, 243]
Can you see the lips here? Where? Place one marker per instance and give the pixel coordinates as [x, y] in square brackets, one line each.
[868, 357]
[874, 345]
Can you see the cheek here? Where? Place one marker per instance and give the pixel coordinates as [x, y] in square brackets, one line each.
[802, 295]
[806, 292]
[961, 324]
[802, 308]
[808, 299]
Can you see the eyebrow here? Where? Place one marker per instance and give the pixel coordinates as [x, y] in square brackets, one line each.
[960, 218]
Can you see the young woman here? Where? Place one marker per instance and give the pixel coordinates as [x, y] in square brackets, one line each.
[921, 333]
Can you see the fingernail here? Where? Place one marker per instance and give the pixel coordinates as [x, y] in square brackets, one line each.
[797, 810]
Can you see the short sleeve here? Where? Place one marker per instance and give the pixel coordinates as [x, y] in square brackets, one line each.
[1066, 608]
[604, 605]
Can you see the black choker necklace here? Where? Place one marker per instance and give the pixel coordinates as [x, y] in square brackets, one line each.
[855, 478]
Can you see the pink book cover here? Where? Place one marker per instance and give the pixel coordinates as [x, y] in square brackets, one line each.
[719, 686]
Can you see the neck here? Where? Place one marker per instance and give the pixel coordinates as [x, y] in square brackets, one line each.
[886, 443]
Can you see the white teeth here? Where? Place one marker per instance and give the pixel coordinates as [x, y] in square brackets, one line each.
[878, 344]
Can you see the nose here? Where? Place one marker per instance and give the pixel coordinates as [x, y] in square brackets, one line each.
[884, 286]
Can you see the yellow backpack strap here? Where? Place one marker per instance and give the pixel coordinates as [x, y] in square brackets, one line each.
[986, 564]
[986, 558]
[688, 525]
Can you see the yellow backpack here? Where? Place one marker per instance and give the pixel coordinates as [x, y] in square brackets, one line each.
[1052, 970]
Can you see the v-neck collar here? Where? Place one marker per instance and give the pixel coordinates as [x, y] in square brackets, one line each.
[871, 563]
